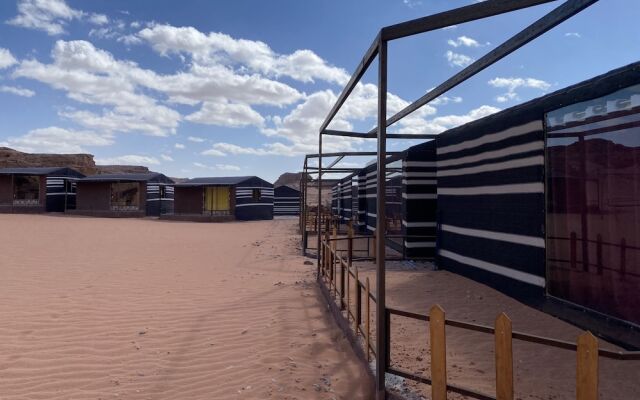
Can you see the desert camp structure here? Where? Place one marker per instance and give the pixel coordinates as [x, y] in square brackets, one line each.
[38, 189]
[541, 200]
[213, 199]
[286, 201]
[125, 195]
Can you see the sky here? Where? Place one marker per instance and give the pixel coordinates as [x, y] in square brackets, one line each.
[212, 88]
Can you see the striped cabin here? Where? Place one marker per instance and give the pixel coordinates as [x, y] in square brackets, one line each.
[38, 189]
[124, 195]
[419, 200]
[361, 180]
[286, 201]
[215, 199]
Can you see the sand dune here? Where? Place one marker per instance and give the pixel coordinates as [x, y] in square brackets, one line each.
[142, 309]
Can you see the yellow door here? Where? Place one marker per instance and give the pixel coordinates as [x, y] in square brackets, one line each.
[216, 198]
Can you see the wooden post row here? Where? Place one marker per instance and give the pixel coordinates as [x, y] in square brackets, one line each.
[367, 326]
[504, 358]
[438, 353]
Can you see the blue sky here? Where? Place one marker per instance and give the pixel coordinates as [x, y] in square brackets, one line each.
[203, 88]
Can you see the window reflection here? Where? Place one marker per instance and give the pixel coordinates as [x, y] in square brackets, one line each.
[125, 196]
[26, 190]
[593, 203]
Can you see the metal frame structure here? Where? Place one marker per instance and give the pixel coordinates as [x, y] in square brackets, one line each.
[378, 49]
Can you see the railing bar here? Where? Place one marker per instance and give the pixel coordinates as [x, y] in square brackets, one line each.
[452, 388]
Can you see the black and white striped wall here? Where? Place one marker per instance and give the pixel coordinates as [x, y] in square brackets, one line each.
[362, 201]
[419, 200]
[490, 202]
[286, 201]
[254, 199]
[370, 187]
[61, 193]
[344, 199]
[160, 198]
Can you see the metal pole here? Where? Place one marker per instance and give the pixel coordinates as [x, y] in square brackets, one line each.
[319, 212]
[381, 322]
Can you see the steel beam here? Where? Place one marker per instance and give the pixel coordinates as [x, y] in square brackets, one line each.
[456, 16]
[550, 20]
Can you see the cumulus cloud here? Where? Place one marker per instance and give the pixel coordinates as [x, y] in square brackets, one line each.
[216, 48]
[6, 58]
[58, 140]
[18, 91]
[129, 159]
[464, 41]
[220, 167]
[196, 139]
[166, 157]
[226, 114]
[51, 16]
[442, 123]
[179, 146]
[573, 34]
[512, 84]
[457, 59]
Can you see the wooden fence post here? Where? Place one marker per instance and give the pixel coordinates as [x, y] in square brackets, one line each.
[374, 246]
[587, 367]
[504, 358]
[358, 305]
[438, 353]
[347, 305]
[366, 321]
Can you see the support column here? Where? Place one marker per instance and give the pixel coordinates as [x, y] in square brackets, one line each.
[381, 315]
[319, 212]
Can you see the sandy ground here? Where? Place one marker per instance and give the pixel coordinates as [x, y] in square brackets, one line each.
[143, 309]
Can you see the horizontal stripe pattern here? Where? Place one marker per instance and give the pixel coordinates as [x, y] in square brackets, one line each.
[490, 201]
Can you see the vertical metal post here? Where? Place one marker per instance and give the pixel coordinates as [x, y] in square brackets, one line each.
[319, 212]
[381, 314]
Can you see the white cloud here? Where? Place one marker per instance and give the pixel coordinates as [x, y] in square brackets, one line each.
[512, 84]
[214, 153]
[179, 146]
[58, 140]
[442, 123]
[215, 48]
[412, 3]
[6, 58]
[196, 139]
[573, 34]
[166, 157]
[227, 167]
[51, 16]
[226, 114]
[18, 91]
[130, 159]
[457, 59]
[463, 41]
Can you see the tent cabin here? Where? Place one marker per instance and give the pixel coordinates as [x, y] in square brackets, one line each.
[38, 189]
[218, 199]
[286, 201]
[125, 195]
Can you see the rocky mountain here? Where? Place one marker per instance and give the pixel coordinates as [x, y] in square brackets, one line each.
[10, 158]
[291, 179]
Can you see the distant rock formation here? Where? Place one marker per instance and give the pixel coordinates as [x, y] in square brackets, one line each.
[291, 179]
[10, 158]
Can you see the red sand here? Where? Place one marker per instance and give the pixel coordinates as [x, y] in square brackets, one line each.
[142, 309]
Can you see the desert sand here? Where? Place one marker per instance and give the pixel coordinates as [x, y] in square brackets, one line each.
[144, 309]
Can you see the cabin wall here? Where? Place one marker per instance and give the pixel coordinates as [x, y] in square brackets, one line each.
[419, 201]
[490, 203]
[286, 201]
[344, 193]
[93, 196]
[157, 202]
[188, 200]
[247, 207]
[362, 201]
[61, 193]
[6, 190]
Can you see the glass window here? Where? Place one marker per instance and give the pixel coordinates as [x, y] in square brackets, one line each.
[256, 194]
[593, 203]
[125, 196]
[26, 190]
